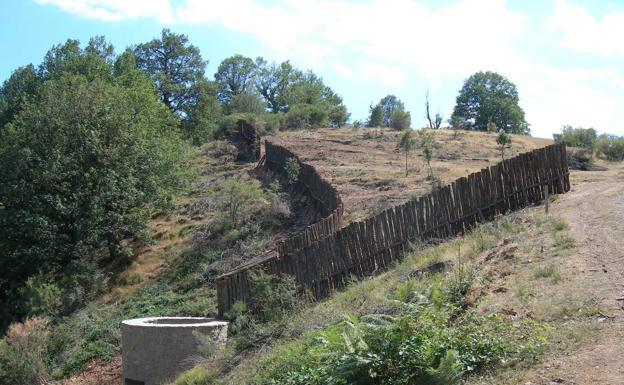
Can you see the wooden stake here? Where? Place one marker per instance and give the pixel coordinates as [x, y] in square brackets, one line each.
[546, 200]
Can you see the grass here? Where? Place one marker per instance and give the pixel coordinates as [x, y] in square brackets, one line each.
[548, 271]
[564, 242]
[560, 224]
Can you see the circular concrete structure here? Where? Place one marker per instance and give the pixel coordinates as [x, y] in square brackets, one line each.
[156, 349]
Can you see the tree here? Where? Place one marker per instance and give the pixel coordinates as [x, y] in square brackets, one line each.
[389, 104]
[406, 143]
[489, 97]
[200, 123]
[273, 82]
[20, 87]
[235, 76]
[375, 118]
[338, 116]
[427, 144]
[504, 141]
[175, 66]
[437, 121]
[578, 137]
[247, 103]
[80, 164]
[400, 120]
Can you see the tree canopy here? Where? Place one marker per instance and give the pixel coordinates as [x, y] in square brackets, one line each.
[489, 97]
[81, 162]
[235, 76]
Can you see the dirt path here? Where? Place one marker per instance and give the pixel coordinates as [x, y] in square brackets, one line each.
[595, 211]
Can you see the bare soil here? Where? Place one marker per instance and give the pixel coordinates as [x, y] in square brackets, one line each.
[369, 171]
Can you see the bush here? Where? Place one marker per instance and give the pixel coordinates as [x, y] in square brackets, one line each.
[22, 353]
[400, 120]
[577, 137]
[306, 116]
[291, 168]
[612, 147]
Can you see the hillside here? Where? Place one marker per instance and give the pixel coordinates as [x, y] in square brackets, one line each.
[369, 171]
[171, 256]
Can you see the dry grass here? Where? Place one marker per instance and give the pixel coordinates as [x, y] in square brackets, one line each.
[369, 171]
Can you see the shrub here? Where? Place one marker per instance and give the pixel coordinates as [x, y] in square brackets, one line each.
[400, 120]
[306, 116]
[291, 169]
[611, 146]
[22, 353]
[577, 137]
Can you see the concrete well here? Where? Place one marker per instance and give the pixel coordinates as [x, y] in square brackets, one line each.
[156, 349]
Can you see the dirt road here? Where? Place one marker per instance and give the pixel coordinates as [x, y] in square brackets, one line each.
[595, 211]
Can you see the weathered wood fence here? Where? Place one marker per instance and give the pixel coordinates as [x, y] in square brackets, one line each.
[367, 247]
[321, 192]
[246, 140]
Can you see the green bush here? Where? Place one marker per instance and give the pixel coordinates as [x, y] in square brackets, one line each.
[400, 120]
[291, 169]
[612, 147]
[306, 116]
[578, 137]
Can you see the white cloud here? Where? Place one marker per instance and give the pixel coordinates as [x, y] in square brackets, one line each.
[582, 33]
[116, 10]
[392, 43]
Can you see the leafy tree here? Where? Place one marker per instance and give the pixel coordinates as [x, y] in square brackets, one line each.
[200, 123]
[491, 127]
[93, 62]
[247, 103]
[338, 116]
[80, 164]
[489, 97]
[175, 66]
[20, 87]
[273, 82]
[578, 137]
[406, 143]
[292, 168]
[504, 141]
[235, 75]
[375, 118]
[400, 120]
[389, 104]
[611, 146]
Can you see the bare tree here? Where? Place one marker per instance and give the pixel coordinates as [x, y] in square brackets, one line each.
[437, 121]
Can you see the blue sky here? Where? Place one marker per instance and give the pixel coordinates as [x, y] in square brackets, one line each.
[565, 56]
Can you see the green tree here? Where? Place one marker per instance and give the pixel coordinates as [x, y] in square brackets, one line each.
[20, 87]
[80, 164]
[338, 116]
[375, 118]
[611, 146]
[504, 141]
[273, 82]
[249, 103]
[175, 66]
[235, 75]
[489, 97]
[578, 137]
[406, 143]
[389, 104]
[400, 120]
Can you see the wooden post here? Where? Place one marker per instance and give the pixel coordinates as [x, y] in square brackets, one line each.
[546, 200]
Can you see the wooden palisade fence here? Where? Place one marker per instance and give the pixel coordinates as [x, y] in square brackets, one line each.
[366, 247]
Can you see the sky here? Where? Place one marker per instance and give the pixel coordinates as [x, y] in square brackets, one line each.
[566, 57]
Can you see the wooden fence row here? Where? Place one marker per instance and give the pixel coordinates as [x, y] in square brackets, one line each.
[367, 247]
[321, 192]
[246, 140]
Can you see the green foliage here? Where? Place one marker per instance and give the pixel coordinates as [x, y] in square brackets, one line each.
[291, 169]
[548, 271]
[177, 69]
[306, 116]
[376, 116]
[247, 103]
[389, 104]
[406, 143]
[235, 196]
[20, 87]
[564, 241]
[611, 146]
[81, 164]
[199, 375]
[489, 97]
[235, 76]
[504, 141]
[578, 137]
[559, 224]
[400, 120]
[338, 116]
